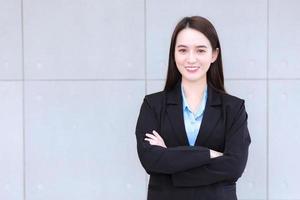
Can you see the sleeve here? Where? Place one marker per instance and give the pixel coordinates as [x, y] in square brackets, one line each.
[156, 159]
[228, 167]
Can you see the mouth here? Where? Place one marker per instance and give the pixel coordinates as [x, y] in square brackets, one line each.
[192, 69]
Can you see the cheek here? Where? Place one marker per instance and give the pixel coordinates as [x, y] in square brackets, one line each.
[179, 59]
[207, 59]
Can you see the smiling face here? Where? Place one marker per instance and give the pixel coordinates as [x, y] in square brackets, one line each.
[193, 55]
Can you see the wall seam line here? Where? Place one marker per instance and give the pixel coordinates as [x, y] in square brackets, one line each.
[23, 99]
[267, 98]
[145, 67]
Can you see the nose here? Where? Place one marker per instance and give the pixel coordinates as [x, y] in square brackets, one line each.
[191, 57]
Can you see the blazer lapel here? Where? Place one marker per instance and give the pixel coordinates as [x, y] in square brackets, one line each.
[175, 114]
[211, 116]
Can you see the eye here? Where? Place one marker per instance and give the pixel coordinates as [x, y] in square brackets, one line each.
[182, 50]
[201, 51]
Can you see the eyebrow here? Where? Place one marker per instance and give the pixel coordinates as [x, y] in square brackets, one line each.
[199, 46]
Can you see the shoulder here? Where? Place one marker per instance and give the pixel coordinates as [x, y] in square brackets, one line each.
[156, 98]
[231, 100]
[231, 104]
[154, 102]
[224, 99]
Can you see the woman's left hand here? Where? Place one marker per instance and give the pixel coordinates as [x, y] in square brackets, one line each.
[155, 139]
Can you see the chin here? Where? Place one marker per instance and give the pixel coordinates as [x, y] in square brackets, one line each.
[194, 78]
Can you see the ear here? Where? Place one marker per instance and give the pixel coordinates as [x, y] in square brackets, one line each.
[215, 54]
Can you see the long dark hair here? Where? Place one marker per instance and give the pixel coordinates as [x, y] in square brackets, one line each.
[215, 76]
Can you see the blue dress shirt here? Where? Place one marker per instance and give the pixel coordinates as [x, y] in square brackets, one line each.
[192, 121]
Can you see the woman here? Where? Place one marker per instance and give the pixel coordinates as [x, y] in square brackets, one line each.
[192, 137]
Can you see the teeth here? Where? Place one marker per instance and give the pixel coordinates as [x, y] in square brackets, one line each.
[192, 69]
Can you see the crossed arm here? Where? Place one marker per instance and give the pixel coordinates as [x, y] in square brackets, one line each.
[156, 139]
[192, 165]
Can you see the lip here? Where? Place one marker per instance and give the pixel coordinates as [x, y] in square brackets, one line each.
[192, 69]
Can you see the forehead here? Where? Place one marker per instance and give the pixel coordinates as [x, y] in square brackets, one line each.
[191, 37]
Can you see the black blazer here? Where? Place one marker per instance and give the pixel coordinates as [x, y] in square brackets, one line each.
[183, 172]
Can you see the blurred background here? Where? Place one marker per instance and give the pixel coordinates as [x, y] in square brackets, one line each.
[73, 74]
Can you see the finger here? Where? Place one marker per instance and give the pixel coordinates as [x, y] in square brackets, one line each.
[151, 136]
[152, 142]
[150, 139]
[156, 134]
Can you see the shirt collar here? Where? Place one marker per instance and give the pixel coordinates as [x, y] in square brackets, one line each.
[201, 108]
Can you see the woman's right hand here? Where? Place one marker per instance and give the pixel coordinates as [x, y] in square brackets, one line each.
[155, 139]
[214, 154]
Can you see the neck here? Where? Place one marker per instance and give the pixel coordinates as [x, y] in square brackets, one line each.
[194, 89]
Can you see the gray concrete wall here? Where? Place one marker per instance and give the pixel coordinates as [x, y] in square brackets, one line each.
[65, 66]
